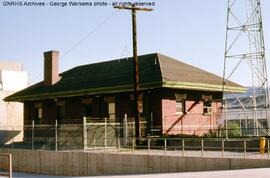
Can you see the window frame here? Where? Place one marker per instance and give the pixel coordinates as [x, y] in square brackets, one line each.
[111, 115]
[183, 107]
[207, 105]
[38, 113]
[180, 98]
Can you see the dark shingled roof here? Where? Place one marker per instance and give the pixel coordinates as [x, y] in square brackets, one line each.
[156, 71]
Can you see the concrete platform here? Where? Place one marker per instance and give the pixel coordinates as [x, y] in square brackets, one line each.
[78, 163]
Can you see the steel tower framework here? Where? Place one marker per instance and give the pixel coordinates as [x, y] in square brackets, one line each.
[244, 59]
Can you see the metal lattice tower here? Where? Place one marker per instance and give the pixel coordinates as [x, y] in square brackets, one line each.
[245, 60]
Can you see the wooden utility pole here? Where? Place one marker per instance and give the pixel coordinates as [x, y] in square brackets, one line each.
[136, 85]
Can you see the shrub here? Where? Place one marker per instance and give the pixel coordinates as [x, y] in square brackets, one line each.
[233, 129]
[210, 134]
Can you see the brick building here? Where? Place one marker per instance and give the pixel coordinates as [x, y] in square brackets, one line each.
[174, 97]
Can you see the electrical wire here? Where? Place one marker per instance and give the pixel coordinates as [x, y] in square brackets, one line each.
[91, 32]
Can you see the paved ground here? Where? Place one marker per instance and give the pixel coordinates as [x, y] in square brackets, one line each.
[246, 173]
[187, 153]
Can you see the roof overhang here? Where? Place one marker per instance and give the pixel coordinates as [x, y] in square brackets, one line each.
[82, 92]
[127, 88]
[203, 87]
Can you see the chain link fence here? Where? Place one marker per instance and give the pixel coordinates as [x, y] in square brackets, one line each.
[220, 137]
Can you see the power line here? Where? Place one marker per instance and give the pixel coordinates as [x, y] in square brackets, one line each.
[91, 32]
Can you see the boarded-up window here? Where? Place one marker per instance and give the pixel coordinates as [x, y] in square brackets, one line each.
[38, 112]
[180, 107]
[111, 110]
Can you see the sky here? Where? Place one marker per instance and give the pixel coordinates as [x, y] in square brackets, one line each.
[192, 31]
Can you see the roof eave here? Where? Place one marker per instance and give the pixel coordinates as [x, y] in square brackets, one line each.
[82, 92]
[203, 87]
[128, 88]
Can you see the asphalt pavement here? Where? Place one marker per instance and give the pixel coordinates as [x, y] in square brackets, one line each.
[244, 173]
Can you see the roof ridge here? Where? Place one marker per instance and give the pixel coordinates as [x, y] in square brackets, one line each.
[107, 61]
[116, 59]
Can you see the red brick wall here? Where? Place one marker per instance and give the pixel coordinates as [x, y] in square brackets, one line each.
[192, 122]
[160, 102]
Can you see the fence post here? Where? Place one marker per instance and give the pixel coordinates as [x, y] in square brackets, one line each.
[202, 146]
[165, 146]
[133, 144]
[245, 148]
[56, 135]
[12, 146]
[226, 121]
[240, 124]
[148, 145]
[183, 147]
[152, 125]
[33, 134]
[118, 144]
[84, 134]
[222, 148]
[125, 130]
[268, 149]
[105, 134]
[133, 130]
[10, 165]
[94, 144]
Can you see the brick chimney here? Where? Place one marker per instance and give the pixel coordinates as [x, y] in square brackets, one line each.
[51, 75]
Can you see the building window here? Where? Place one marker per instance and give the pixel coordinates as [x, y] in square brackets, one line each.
[86, 110]
[109, 106]
[207, 107]
[180, 103]
[38, 113]
[180, 107]
[111, 110]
